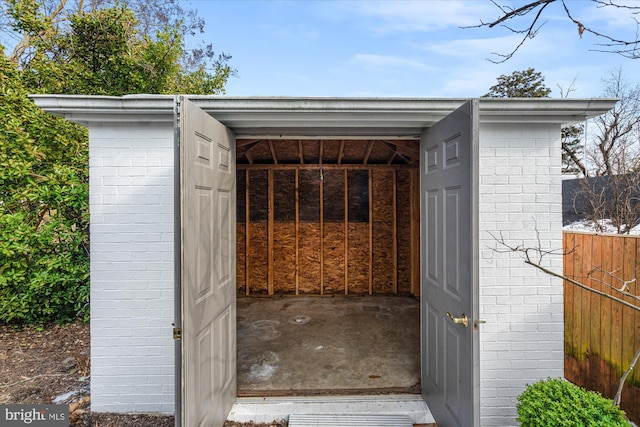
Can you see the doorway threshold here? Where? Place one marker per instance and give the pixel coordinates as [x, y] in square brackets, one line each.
[269, 409]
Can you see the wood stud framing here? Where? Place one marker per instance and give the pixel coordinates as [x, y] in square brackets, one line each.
[386, 177]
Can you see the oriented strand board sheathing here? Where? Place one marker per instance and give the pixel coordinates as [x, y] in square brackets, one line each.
[258, 280]
[285, 195]
[403, 200]
[284, 255]
[258, 195]
[333, 196]
[383, 196]
[311, 151]
[383, 256]
[354, 151]
[240, 258]
[309, 258]
[309, 195]
[358, 258]
[334, 258]
[331, 151]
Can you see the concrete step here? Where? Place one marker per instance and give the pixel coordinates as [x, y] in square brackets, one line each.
[349, 420]
[268, 409]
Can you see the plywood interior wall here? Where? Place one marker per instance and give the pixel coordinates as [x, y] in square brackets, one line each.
[336, 229]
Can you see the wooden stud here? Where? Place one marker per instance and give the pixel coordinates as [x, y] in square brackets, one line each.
[321, 231]
[346, 233]
[247, 221]
[341, 152]
[370, 232]
[297, 235]
[414, 233]
[271, 220]
[395, 233]
[321, 221]
[300, 152]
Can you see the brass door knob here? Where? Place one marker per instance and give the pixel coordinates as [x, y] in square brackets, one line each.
[462, 320]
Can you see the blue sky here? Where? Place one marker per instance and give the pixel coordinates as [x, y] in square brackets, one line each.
[402, 48]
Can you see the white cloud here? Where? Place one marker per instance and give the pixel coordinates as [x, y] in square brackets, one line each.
[385, 17]
[290, 32]
[620, 20]
[377, 62]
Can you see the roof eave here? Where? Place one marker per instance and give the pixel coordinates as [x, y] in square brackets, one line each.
[314, 116]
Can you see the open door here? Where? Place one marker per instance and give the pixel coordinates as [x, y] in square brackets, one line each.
[449, 287]
[208, 278]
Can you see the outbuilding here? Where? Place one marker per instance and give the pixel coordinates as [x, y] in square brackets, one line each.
[198, 202]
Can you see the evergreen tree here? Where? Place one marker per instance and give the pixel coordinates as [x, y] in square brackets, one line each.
[520, 84]
[529, 83]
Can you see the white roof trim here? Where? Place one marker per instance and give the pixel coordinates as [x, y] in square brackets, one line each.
[302, 116]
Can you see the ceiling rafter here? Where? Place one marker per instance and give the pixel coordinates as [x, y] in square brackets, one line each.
[249, 157]
[245, 142]
[368, 152]
[272, 148]
[404, 152]
[391, 157]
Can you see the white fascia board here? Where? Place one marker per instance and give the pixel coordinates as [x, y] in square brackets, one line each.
[562, 111]
[249, 116]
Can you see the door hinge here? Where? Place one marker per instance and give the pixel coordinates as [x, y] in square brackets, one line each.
[177, 333]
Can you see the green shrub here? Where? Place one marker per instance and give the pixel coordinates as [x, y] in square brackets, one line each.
[557, 402]
[44, 211]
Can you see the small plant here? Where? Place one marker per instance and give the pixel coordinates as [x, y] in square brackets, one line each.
[555, 402]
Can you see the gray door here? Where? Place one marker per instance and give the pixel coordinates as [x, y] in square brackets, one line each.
[207, 175]
[448, 165]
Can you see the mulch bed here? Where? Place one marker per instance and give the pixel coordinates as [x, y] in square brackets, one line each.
[39, 364]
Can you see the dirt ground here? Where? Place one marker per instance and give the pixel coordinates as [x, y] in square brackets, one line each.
[39, 364]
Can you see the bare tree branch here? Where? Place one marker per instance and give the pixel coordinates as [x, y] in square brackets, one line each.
[626, 47]
[618, 396]
[526, 251]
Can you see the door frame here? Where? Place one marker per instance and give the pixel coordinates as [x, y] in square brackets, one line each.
[178, 258]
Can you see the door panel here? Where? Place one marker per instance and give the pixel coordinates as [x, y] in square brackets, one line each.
[208, 275]
[450, 373]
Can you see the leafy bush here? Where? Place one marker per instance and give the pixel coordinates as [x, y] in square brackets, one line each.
[44, 210]
[556, 403]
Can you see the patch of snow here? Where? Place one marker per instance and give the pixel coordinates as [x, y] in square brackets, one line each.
[64, 398]
[605, 226]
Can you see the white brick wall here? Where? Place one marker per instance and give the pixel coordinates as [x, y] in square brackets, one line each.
[131, 178]
[522, 340]
[131, 196]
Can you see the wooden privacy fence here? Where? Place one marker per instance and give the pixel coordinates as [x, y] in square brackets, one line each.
[602, 335]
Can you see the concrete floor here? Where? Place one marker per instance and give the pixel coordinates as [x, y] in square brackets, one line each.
[330, 345]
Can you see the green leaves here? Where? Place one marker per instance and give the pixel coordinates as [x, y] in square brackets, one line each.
[44, 264]
[558, 403]
[44, 207]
